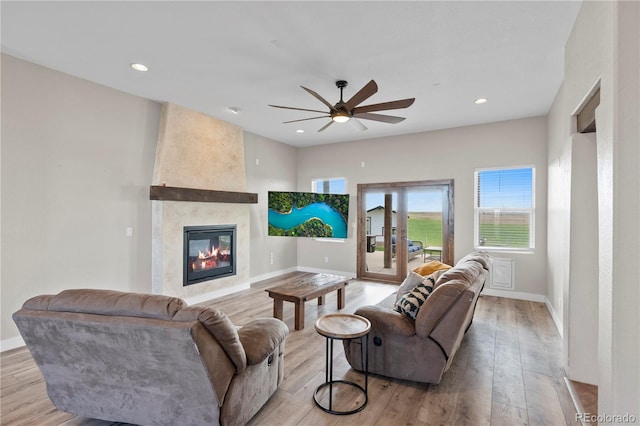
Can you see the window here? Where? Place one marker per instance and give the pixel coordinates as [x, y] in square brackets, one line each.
[329, 186]
[504, 208]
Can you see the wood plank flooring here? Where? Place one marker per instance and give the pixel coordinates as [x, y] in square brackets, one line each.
[508, 371]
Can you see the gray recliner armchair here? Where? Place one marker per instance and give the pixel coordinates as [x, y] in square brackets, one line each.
[151, 359]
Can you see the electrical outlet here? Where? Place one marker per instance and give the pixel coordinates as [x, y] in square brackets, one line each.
[271, 258]
[326, 259]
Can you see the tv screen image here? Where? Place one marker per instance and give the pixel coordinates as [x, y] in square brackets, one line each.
[308, 214]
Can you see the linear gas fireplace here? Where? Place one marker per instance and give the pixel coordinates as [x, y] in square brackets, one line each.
[209, 253]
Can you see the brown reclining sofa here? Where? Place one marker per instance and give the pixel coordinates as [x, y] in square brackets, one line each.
[422, 350]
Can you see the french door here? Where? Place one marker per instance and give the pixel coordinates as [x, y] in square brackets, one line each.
[402, 224]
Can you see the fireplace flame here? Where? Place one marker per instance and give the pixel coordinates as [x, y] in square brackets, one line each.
[206, 260]
[210, 253]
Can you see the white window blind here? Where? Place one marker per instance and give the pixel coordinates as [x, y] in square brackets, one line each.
[504, 208]
[329, 186]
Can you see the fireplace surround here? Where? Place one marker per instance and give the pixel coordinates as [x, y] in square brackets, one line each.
[209, 253]
[185, 192]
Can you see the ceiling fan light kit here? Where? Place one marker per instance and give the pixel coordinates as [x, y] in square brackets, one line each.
[343, 111]
[340, 117]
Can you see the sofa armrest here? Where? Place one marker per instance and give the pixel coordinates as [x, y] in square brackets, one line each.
[221, 328]
[384, 320]
[261, 337]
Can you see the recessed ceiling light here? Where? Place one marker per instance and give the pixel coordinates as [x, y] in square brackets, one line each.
[139, 67]
[299, 131]
[480, 101]
[234, 110]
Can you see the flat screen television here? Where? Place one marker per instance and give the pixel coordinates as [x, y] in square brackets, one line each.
[308, 214]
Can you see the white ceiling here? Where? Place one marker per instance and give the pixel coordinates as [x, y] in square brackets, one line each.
[212, 55]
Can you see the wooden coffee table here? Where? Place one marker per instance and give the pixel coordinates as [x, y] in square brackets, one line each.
[300, 288]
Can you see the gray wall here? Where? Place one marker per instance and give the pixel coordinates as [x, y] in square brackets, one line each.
[271, 166]
[446, 154]
[77, 161]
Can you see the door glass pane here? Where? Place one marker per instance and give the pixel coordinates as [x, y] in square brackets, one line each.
[381, 209]
[424, 225]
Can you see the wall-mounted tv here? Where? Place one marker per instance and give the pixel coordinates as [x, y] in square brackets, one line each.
[308, 214]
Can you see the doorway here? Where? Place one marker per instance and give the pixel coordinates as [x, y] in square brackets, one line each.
[401, 225]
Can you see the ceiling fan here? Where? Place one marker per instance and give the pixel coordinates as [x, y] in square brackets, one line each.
[349, 110]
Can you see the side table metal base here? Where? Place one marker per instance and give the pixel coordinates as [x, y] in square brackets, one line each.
[344, 382]
[364, 358]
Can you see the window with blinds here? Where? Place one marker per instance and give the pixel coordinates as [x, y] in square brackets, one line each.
[504, 208]
[329, 186]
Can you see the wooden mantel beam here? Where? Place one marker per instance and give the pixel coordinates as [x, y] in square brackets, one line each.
[172, 193]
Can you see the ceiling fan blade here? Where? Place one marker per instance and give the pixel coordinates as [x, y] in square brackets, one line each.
[326, 125]
[320, 98]
[363, 94]
[403, 103]
[357, 124]
[379, 117]
[305, 119]
[297, 109]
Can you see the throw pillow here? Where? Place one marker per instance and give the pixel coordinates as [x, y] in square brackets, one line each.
[435, 277]
[430, 267]
[408, 284]
[410, 303]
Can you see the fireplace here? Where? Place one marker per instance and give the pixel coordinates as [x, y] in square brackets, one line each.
[209, 253]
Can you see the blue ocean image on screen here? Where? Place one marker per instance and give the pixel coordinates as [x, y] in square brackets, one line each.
[318, 210]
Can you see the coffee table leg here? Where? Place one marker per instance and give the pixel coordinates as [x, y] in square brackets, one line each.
[277, 308]
[341, 298]
[299, 315]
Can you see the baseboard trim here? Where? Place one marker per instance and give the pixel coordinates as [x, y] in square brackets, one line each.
[349, 275]
[554, 316]
[270, 275]
[216, 294]
[576, 400]
[530, 297]
[11, 343]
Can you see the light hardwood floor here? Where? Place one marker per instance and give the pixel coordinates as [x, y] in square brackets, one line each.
[508, 371]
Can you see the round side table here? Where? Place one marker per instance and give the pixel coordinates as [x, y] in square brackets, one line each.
[343, 327]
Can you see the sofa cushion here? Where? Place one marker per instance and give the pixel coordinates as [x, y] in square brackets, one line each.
[482, 257]
[430, 267]
[113, 303]
[410, 303]
[467, 272]
[439, 302]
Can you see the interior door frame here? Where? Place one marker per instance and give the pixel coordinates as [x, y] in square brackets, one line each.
[447, 185]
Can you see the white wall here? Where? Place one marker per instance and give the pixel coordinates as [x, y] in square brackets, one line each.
[77, 163]
[581, 342]
[271, 166]
[604, 45]
[446, 154]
